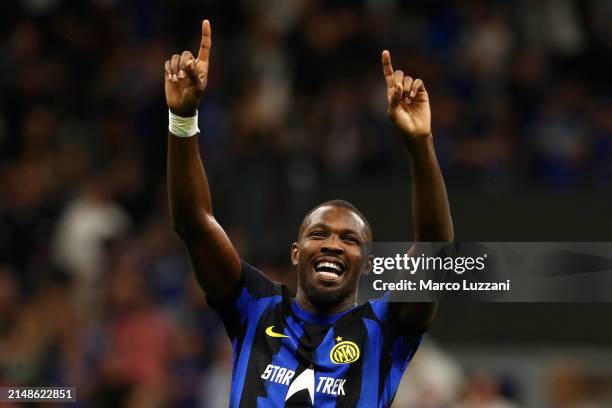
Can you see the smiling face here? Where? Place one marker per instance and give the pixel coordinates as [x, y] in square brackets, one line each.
[330, 255]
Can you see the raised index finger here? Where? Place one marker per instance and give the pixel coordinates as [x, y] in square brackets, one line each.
[206, 42]
[387, 68]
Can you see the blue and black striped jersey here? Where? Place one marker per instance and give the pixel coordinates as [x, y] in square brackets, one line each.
[284, 356]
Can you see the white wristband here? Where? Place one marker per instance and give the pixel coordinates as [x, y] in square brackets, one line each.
[183, 127]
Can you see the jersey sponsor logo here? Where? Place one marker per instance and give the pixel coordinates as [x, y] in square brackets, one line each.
[304, 381]
[277, 374]
[270, 332]
[345, 352]
[331, 386]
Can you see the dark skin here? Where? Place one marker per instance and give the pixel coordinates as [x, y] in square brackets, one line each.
[330, 233]
[333, 234]
[212, 255]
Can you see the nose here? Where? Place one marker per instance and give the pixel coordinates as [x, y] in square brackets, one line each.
[332, 245]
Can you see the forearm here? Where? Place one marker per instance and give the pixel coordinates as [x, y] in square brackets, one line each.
[431, 211]
[188, 191]
[215, 262]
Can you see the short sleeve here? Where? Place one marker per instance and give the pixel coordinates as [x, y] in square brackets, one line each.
[403, 344]
[254, 291]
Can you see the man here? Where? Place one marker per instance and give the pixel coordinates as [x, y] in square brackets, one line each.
[319, 349]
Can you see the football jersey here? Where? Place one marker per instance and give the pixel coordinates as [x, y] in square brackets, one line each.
[284, 356]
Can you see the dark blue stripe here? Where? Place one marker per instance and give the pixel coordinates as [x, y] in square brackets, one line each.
[371, 358]
[252, 314]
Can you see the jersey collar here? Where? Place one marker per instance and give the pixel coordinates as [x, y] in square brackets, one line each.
[317, 318]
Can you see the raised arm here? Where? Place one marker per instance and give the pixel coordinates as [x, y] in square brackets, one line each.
[213, 257]
[408, 108]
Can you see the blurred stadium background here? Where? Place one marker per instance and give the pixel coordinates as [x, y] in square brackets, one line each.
[95, 290]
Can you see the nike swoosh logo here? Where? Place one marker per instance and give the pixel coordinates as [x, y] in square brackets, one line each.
[271, 333]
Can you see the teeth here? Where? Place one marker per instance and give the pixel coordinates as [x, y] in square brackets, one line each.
[332, 265]
[328, 275]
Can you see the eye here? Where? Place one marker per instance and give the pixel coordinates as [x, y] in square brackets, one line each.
[317, 234]
[352, 239]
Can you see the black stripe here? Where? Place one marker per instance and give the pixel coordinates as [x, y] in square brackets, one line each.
[351, 327]
[263, 350]
[239, 342]
[311, 339]
[386, 361]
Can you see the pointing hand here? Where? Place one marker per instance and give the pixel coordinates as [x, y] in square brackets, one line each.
[407, 101]
[186, 77]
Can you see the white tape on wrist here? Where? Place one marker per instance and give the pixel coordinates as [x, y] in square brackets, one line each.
[183, 127]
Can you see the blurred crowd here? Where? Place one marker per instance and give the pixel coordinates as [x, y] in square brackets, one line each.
[95, 290]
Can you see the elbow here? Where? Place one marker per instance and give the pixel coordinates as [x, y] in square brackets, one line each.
[194, 228]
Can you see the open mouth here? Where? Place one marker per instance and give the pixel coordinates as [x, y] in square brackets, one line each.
[328, 270]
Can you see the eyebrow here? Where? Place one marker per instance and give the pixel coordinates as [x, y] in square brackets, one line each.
[344, 231]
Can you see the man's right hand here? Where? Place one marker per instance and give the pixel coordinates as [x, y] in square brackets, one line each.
[186, 77]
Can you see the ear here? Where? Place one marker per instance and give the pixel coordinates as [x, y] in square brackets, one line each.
[367, 266]
[294, 254]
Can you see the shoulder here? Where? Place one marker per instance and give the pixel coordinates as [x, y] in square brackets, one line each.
[253, 296]
[253, 285]
[405, 319]
[256, 282]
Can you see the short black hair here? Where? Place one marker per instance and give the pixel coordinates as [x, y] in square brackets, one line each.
[338, 203]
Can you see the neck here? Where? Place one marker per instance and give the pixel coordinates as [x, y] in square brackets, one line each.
[335, 308]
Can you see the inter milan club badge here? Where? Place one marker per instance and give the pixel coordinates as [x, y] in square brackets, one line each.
[345, 352]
